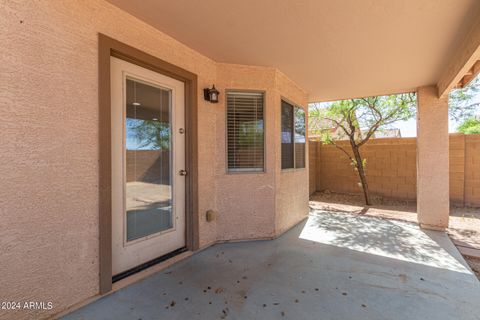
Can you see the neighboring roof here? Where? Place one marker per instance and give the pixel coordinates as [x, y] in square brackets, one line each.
[319, 125]
[387, 133]
[333, 49]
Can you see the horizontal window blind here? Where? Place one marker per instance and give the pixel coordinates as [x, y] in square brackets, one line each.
[245, 131]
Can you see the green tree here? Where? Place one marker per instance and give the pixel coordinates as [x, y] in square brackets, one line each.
[463, 103]
[470, 126]
[150, 134]
[359, 119]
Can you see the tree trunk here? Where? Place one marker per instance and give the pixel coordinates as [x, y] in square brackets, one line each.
[361, 173]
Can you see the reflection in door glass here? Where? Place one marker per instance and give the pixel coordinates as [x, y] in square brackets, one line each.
[148, 160]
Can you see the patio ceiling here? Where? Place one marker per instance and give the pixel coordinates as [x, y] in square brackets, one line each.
[333, 49]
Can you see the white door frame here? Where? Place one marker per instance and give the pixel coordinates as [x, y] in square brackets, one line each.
[127, 255]
[108, 47]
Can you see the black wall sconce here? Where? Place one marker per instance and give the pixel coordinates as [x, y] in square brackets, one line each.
[211, 94]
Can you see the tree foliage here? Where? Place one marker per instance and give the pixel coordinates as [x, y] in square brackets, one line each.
[470, 126]
[463, 103]
[150, 134]
[359, 119]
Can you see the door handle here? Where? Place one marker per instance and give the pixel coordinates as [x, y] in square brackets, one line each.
[182, 172]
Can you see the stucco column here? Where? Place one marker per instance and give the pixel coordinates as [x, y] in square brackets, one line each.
[433, 203]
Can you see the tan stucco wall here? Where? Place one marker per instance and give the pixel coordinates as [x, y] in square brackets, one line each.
[49, 151]
[291, 202]
[245, 200]
[266, 204]
[391, 168]
[433, 201]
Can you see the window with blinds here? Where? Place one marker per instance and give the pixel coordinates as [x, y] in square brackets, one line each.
[245, 131]
[293, 136]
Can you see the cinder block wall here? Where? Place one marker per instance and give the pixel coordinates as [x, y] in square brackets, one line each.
[391, 168]
[457, 168]
[472, 170]
[148, 166]
[313, 152]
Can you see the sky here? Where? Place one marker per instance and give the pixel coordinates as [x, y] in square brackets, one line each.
[409, 128]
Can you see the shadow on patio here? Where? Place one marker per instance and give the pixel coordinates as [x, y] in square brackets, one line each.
[332, 266]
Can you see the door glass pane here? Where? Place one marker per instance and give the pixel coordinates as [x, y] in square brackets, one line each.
[148, 160]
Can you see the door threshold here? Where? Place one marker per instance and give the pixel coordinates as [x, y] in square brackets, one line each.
[125, 282]
[147, 264]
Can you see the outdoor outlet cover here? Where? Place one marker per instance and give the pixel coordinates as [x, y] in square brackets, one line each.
[210, 215]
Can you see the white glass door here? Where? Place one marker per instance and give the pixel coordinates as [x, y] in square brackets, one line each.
[148, 152]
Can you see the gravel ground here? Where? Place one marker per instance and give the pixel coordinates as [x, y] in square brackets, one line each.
[474, 263]
[464, 225]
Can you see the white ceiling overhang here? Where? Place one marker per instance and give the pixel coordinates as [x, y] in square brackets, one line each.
[333, 49]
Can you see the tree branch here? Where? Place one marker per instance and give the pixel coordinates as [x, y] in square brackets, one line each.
[343, 150]
[339, 125]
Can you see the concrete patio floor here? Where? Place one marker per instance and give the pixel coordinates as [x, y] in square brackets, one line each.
[331, 266]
